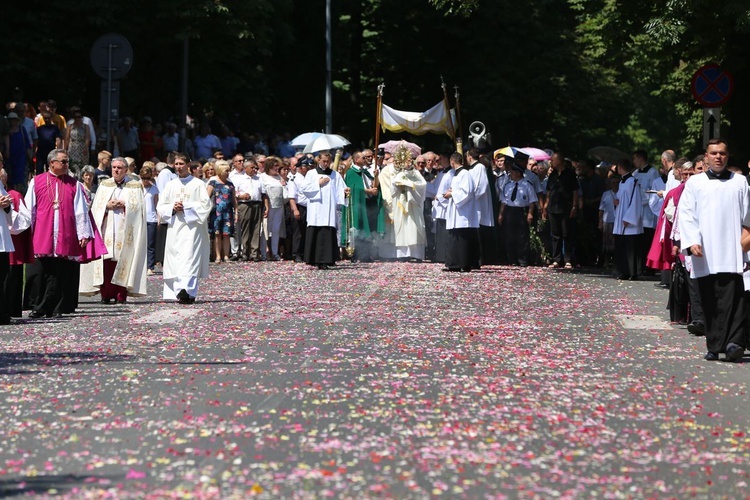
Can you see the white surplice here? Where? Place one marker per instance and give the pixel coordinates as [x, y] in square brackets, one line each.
[629, 208]
[462, 206]
[711, 213]
[482, 194]
[323, 200]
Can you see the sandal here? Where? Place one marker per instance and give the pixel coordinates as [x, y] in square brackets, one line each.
[554, 265]
[568, 265]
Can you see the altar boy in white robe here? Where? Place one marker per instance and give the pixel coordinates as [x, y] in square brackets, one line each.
[185, 206]
[461, 219]
[628, 226]
[713, 212]
[325, 190]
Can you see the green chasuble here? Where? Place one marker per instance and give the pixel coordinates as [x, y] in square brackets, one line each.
[357, 206]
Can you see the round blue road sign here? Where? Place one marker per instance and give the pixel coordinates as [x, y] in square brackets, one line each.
[711, 86]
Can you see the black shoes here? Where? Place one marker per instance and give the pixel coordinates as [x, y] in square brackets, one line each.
[184, 298]
[734, 353]
[697, 328]
[40, 314]
[711, 356]
[661, 285]
[106, 301]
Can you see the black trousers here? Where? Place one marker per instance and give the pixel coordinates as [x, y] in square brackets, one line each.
[441, 240]
[299, 232]
[696, 310]
[34, 288]
[4, 298]
[161, 243]
[462, 249]
[516, 235]
[561, 232]
[724, 307]
[56, 274]
[628, 255]
[645, 245]
[488, 246]
[14, 290]
[429, 252]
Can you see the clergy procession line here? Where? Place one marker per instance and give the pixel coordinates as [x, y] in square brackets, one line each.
[106, 234]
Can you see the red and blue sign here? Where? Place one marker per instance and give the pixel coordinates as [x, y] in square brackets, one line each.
[712, 86]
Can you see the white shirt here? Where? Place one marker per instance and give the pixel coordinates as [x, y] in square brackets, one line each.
[148, 199]
[294, 188]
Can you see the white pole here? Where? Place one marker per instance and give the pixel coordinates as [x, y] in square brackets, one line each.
[329, 64]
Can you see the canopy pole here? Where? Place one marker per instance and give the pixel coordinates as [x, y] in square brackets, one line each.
[448, 110]
[378, 113]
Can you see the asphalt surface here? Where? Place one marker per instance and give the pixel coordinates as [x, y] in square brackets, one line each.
[373, 380]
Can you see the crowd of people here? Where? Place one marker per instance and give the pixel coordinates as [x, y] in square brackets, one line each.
[101, 230]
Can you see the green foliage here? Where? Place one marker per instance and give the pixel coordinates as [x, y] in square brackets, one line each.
[567, 75]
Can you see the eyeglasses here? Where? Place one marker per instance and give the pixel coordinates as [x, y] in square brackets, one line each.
[64, 162]
[368, 156]
[421, 163]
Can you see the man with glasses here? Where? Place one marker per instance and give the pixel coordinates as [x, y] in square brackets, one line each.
[238, 171]
[249, 211]
[185, 206]
[61, 229]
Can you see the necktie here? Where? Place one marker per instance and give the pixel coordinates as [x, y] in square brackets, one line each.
[514, 193]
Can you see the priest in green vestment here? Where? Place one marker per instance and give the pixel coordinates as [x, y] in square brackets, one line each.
[357, 232]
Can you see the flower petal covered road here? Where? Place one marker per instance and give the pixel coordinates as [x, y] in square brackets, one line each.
[372, 380]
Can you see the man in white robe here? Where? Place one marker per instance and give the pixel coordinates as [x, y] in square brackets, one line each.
[713, 211]
[407, 207]
[119, 212]
[387, 242]
[483, 198]
[325, 190]
[185, 206]
[461, 218]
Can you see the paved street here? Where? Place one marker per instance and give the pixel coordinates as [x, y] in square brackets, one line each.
[374, 380]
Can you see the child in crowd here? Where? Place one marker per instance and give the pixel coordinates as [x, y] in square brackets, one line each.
[607, 220]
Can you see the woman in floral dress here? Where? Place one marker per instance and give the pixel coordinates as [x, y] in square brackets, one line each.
[77, 141]
[222, 192]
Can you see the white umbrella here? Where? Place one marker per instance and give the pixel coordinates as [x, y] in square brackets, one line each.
[325, 142]
[303, 140]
